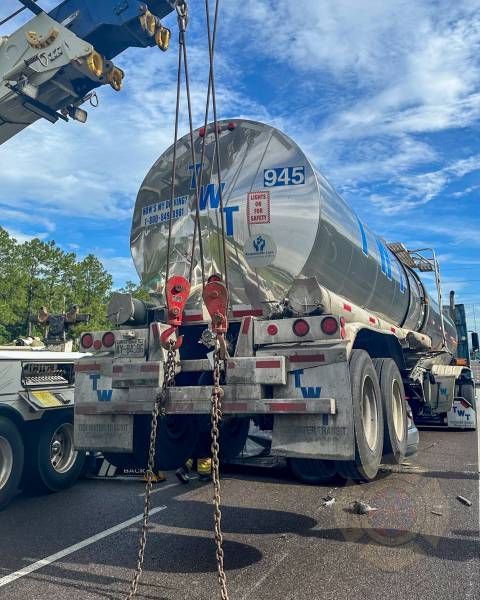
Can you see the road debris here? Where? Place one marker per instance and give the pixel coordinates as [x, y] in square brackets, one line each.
[435, 512]
[431, 446]
[328, 501]
[361, 508]
[464, 500]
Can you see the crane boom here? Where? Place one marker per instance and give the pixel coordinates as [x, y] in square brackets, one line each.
[50, 65]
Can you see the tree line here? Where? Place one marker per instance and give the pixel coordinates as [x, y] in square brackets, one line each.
[37, 273]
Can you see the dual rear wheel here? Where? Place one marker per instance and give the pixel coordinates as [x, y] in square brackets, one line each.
[380, 423]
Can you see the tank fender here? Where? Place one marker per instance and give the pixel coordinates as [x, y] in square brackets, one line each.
[378, 344]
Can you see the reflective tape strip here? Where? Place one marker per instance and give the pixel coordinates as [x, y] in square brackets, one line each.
[235, 407]
[117, 369]
[300, 358]
[247, 313]
[287, 406]
[268, 364]
[246, 325]
[150, 367]
[347, 307]
[190, 318]
[372, 320]
[91, 367]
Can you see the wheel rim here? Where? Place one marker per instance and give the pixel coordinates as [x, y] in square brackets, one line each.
[398, 410]
[6, 461]
[62, 452]
[369, 412]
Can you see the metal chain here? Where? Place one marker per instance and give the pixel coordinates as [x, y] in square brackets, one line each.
[216, 416]
[158, 409]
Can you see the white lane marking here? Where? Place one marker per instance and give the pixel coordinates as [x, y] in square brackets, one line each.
[277, 563]
[169, 485]
[58, 555]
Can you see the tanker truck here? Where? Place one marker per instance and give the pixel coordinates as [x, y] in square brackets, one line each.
[332, 342]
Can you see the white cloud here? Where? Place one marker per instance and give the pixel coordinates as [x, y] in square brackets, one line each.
[22, 237]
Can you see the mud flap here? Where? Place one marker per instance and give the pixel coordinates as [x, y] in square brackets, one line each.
[326, 436]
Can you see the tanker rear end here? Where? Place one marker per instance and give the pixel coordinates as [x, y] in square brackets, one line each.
[330, 330]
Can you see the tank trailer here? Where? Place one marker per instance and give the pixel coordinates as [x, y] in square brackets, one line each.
[333, 342]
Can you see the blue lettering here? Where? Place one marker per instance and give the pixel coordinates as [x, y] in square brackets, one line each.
[385, 259]
[364, 237]
[104, 395]
[211, 193]
[307, 392]
[94, 379]
[229, 210]
[195, 173]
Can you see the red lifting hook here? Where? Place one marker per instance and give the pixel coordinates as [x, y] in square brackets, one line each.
[215, 296]
[177, 290]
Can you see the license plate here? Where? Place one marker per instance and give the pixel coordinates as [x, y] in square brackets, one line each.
[127, 348]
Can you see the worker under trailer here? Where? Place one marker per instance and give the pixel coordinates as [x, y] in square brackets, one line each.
[332, 340]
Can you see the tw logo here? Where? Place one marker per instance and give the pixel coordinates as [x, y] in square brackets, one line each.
[102, 395]
[307, 392]
[460, 412]
[209, 195]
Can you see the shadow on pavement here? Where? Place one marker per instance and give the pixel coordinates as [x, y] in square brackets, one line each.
[457, 549]
[194, 514]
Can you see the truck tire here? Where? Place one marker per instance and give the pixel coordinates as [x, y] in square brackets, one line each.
[177, 437]
[394, 411]
[11, 460]
[367, 418]
[51, 462]
[313, 471]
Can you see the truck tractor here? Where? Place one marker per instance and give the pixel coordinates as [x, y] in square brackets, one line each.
[36, 411]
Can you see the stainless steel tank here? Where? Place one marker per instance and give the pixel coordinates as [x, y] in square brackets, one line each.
[282, 219]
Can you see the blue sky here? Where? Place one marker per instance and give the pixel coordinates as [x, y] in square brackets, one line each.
[384, 96]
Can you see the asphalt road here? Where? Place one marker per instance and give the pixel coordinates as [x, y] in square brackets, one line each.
[280, 542]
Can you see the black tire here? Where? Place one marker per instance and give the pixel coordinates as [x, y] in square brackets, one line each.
[177, 437]
[233, 437]
[51, 462]
[11, 460]
[394, 411]
[313, 471]
[367, 418]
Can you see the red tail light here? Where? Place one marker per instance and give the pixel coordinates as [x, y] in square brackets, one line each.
[97, 344]
[231, 126]
[214, 277]
[300, 328]
[272, 329]
[329, 325]
[86, 340]
[108, 339]
[201, 131]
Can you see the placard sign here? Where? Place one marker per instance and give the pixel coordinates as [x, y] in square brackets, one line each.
[258, 208]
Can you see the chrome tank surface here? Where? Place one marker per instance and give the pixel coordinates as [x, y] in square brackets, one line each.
[283, 220]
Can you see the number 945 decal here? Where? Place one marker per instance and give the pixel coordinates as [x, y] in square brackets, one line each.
[283, 176]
